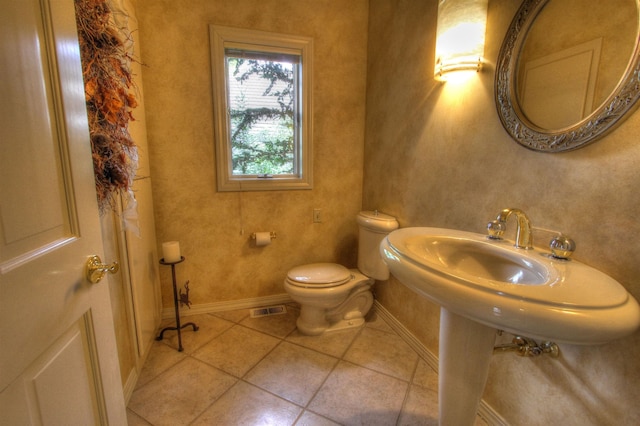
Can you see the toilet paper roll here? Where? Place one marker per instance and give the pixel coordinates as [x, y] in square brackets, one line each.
[263, 238]
[171, 251]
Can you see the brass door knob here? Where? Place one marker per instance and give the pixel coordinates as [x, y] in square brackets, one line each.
[96, 270]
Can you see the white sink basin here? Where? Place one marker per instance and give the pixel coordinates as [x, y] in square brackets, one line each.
[471, 258]
[524, 292]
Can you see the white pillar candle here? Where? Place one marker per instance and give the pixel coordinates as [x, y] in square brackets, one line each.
[171, 251]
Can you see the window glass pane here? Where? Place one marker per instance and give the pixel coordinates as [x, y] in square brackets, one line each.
[262, 91]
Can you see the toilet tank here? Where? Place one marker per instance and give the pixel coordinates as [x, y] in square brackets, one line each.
[374, 227]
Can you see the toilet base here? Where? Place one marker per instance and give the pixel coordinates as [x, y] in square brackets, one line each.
[345, 325]
[314, 329]
[314, 321]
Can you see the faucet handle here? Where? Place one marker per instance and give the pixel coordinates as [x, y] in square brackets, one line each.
[496, 229]
[562, 247]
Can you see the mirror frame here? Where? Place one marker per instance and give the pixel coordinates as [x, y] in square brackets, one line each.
[603, 119]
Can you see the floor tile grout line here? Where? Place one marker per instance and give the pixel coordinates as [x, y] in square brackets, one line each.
[375, 371]
[195, 359]
[141, 416]
[138, 388]
[350, 345]
[166, 340]
[155, 378]
[372, 369]
[307, 410]
[318, 351]
[321, 385]
[216, 399]
[237, 379]
[409, 385]
[243, 377]
[335, 365]
[342, 359]
[284, 340]
[281, 339]
[389, 374]
[253, 367]
[259, 331]
[302, 408]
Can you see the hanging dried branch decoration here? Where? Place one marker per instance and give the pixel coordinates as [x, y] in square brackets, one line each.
[108, 92]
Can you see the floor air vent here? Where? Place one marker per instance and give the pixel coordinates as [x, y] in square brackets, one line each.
[271, 310]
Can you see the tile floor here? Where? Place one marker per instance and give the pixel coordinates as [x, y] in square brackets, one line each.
[238, 370]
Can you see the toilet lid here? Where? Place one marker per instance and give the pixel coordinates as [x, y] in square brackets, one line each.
[319, 275]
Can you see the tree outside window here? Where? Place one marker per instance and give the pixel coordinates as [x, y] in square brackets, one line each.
[262, 100]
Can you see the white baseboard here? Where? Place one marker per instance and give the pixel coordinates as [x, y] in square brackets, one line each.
[232, 305]
[485, 411]
[130, 385]
[407, 336]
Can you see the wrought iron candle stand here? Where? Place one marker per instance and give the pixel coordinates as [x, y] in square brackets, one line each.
[176, 300]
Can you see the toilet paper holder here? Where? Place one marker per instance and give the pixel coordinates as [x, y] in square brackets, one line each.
[272, 234]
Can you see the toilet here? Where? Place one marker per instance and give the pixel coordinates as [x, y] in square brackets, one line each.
[332, 297]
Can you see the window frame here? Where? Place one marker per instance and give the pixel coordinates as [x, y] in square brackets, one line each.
[223, 38]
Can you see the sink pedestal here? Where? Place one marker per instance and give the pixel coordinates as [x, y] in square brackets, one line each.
[466, 348]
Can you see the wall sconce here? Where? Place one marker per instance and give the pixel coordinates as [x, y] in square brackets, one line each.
[460, 36]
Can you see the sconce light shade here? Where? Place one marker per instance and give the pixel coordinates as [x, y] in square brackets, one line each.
[460, 36]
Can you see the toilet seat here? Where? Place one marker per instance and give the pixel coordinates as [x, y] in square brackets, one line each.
[319, 275]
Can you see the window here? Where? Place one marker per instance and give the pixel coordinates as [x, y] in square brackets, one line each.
[262, 109]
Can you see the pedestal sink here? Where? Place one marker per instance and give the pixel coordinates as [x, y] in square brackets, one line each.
[483, 285]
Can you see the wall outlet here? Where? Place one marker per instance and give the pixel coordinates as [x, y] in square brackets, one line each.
[317, 215]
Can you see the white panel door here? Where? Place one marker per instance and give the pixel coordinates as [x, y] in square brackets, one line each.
[58, 357]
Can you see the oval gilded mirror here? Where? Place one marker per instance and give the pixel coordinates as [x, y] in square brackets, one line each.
[567, 72]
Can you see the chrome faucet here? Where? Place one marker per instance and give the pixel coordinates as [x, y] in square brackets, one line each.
[524, 238]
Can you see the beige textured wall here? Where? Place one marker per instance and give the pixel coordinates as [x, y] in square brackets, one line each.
[221, 264]
[436, 155]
